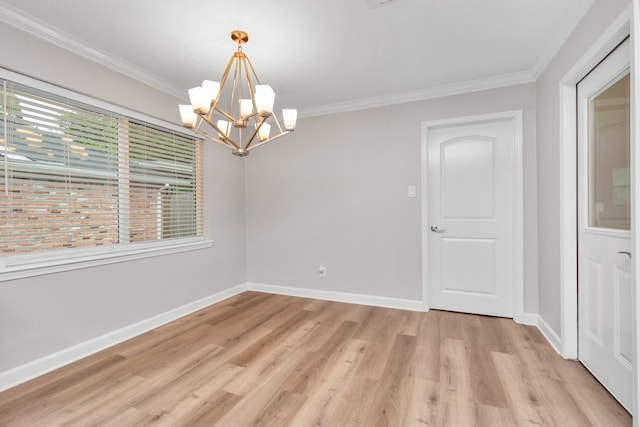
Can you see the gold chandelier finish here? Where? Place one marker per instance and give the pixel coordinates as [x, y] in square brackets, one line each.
[239, 36]
[243, 126]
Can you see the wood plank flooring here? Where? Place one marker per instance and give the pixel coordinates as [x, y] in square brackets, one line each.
[267, 360]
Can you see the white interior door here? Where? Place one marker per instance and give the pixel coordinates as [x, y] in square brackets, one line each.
[605, 292]
[471, 216]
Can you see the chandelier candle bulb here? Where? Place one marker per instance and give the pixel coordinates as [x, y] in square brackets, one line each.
[265, 98]
[263, 132]
[188, 116]
[200, 101]
[207, 112]
[246, 108]
[223, 125]
[289, 117]
[211, 89]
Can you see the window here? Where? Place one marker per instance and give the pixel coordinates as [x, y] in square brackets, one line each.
[76, 176]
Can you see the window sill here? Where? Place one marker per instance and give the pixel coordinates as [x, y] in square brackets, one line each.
[36, 264]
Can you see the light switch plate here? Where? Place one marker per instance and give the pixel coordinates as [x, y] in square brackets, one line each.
[412, 191]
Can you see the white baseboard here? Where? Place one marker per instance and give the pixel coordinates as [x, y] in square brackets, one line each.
[402, 304]
[547, 332]
[64, 357]
[530, 319]
[551, 335]
[30, 370]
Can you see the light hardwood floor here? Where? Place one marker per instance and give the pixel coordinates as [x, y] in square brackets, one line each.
[260, 359]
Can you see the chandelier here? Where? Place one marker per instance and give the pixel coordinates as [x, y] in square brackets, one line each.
[243, 125]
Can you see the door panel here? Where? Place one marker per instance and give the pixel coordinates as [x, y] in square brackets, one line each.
[467, 178]
[471, 212]
[593, 298]
[623, 297]
[605, 334]
[478, 276]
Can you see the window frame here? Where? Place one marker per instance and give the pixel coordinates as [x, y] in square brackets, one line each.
[16, 266]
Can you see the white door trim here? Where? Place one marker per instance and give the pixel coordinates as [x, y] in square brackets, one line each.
[617, 31]
[518, 223]
[635, 212]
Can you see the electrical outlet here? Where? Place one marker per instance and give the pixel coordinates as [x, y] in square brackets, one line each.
[322, 271]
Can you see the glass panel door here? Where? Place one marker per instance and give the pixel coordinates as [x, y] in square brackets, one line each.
[609, 177]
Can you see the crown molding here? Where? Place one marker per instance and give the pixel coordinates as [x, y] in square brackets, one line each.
[421, 95]
[35, 27]
[572, 19]
[40, 29]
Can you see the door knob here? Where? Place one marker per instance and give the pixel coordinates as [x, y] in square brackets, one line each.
[435, 229]
[621, 252]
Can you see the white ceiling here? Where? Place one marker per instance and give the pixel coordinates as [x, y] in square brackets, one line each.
[318, 55]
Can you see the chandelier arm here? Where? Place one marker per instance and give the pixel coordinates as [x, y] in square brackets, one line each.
[234, 85]
[221, 142]
[253, 71]
[262, 120]
[240, 63]
[268, 140]
[277, 123]
[198, 125]
[250, 116]
[252, 89]
[224, 113]
[220, 132]
[210, 138]
[223, 80]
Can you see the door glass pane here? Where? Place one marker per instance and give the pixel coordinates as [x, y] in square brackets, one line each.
[609, 178]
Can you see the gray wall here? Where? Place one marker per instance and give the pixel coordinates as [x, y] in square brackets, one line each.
[599, 18]
[45, 314]
[335, 193]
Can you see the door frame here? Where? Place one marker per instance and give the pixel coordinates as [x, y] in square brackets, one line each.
[567, 342]
[518, 199]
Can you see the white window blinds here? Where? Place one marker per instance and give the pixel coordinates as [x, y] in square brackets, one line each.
[74, 176]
